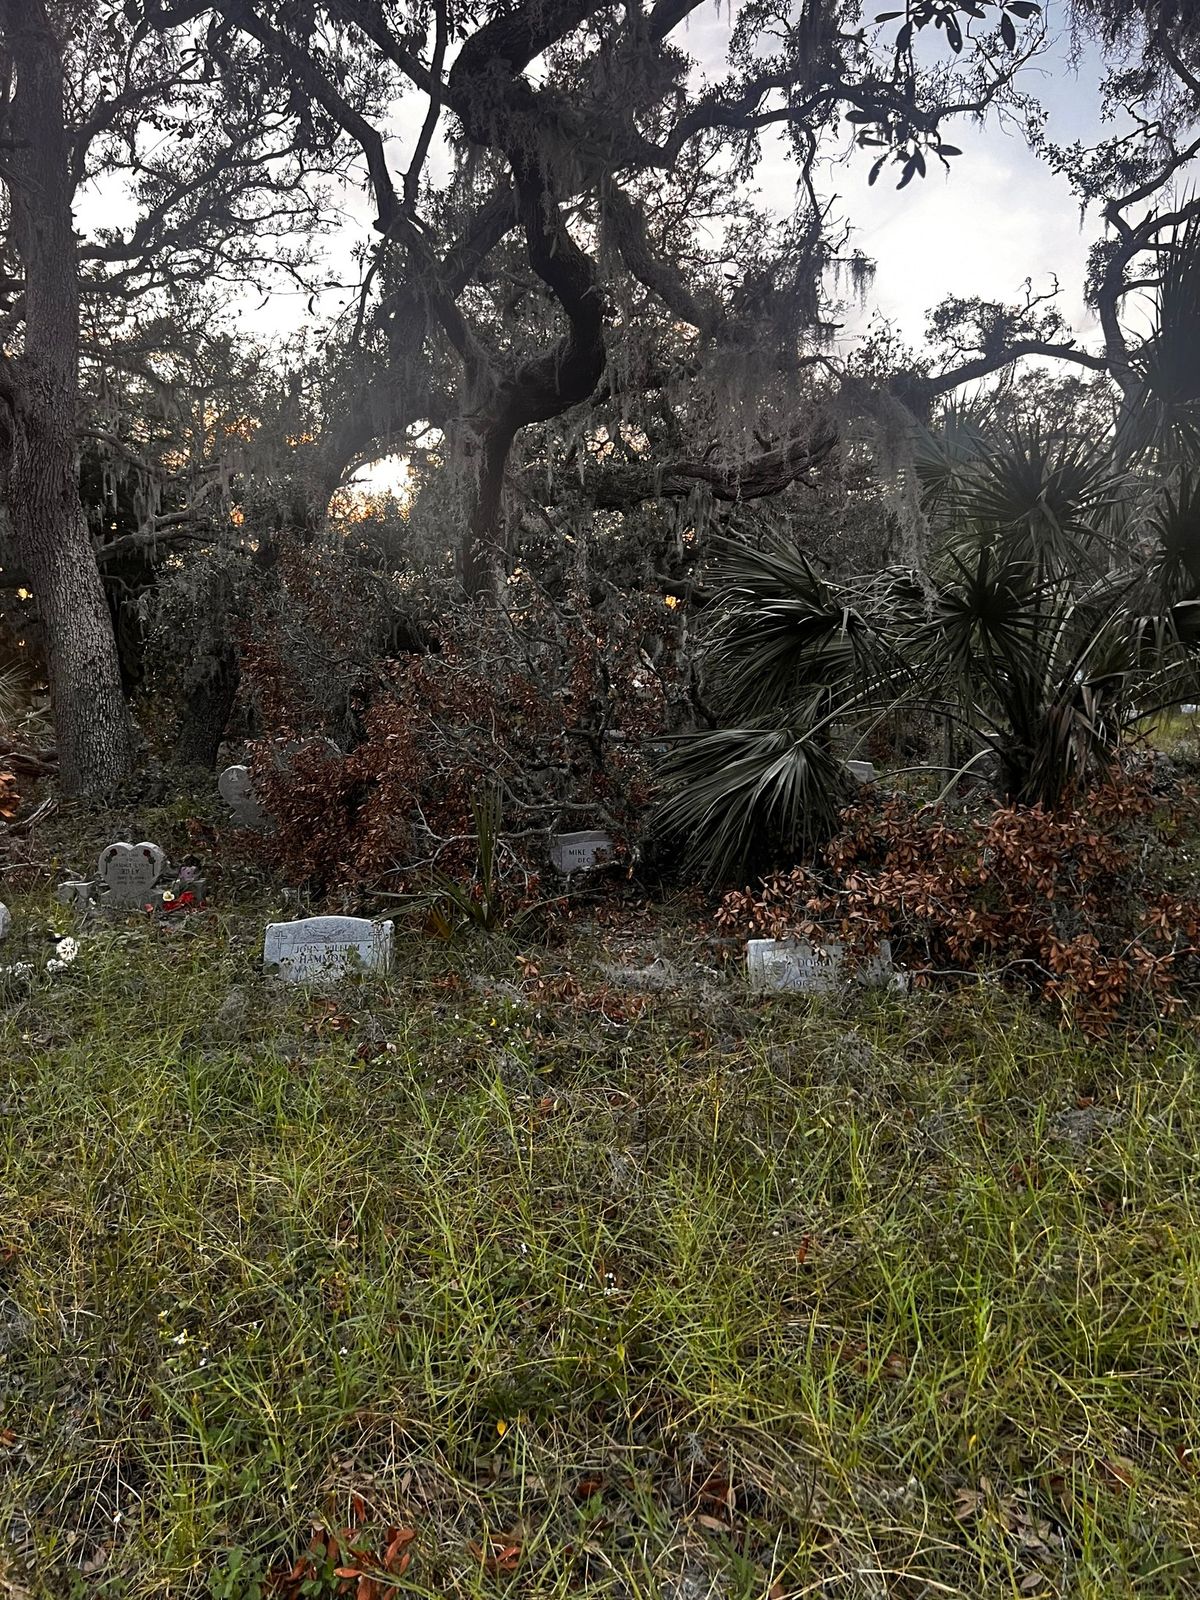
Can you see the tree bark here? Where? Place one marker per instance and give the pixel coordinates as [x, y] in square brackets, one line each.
[504, 111]
[205, 715]
[40, 451]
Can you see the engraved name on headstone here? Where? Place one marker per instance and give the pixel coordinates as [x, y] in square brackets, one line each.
[795, 966]
[129, 872]
[580, 852]
[324, 949]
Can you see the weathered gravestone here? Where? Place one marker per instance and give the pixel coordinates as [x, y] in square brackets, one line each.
[797, 967]
[324, 949]
[236, 788]
[580, 852]
[862, 771]
[128, 872]
[5, 922]
[74, 892]
[236, 783]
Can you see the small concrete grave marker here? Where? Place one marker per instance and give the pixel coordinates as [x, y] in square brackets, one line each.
[862, 771]
[324, 949]
[236, 788]
[75, 892]
[129, 872]
[5, 921]
[796, 967]
[580, 852]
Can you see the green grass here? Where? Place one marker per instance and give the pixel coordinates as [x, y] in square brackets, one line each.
[727, 1297]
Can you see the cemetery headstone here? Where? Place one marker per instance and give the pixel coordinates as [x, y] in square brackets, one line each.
[129, 872]
[797, 967]
[580, 852]
[5, 922]
[862, 771]
[325, 949]
[74, 892]
[236, 788]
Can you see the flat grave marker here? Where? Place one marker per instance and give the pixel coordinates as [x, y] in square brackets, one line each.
[793, 966]
[325, 949]
[580, 852]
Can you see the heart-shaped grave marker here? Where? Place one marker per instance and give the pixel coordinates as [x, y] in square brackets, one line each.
[129, 872]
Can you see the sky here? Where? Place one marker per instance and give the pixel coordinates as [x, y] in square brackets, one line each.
[997, 217]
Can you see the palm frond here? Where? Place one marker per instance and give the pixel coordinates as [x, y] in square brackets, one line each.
[786, 632]
[1173, 529]
[946, 454]
[732, 790]
[1164, 418]
[1042, 501]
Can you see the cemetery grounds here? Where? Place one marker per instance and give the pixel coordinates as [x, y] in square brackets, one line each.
[557, 1263]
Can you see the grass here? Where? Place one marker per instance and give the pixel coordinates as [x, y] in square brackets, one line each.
[679, 1294]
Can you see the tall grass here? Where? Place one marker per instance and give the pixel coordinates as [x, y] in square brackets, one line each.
[698, 1295]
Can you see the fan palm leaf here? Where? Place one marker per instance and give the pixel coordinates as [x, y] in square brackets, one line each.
[735, 789]
[786, 632]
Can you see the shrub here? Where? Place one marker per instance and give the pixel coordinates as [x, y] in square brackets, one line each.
[554, 708]
[1091, 905]
[1054, 609]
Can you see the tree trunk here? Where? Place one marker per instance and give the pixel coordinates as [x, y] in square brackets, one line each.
[91, 722]
[205, 715]
[41, 464]
[484, 538]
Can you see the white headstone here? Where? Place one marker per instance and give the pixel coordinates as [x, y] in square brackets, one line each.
[863, 771]
[579, 852]
[155, 853]
[5, 922]
[236, 788]
[324, 949]
[129, 872]
[794, 966]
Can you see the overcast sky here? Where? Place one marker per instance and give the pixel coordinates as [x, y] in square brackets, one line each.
[997, 217]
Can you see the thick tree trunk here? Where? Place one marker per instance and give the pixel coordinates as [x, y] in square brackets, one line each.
[91, 722]
[484, 540]
[41, 466]
[205, 715]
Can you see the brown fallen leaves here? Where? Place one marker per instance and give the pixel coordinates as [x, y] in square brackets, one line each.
[363, 1563]
[497, 1552]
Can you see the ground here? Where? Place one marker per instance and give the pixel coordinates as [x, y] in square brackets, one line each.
[517, 1274]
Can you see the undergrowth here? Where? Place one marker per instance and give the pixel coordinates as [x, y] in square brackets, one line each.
[575, 1287]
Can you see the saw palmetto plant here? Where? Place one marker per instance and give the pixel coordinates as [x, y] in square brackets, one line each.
[1059, 605]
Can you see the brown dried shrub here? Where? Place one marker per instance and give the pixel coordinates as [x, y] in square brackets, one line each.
[555, 706]
[1092, 906]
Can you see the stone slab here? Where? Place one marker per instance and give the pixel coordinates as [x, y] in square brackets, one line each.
[793, 966]
[129, 872]
[236, 788]
[326, 949]
[580, 852]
